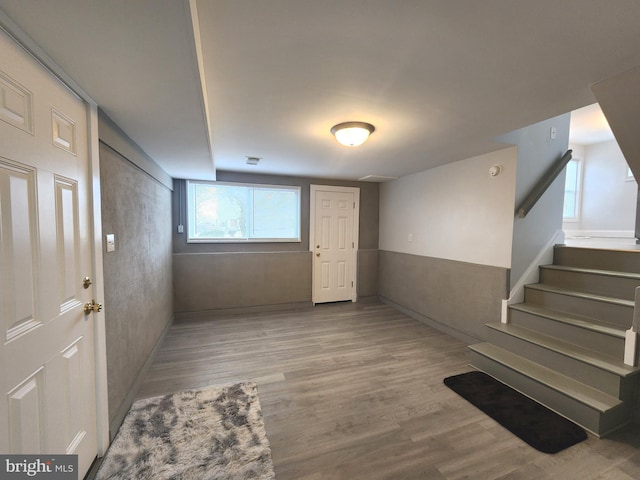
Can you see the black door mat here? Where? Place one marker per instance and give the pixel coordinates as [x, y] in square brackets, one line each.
[533, 423]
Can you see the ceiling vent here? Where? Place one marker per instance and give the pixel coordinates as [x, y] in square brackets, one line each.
[253, 160]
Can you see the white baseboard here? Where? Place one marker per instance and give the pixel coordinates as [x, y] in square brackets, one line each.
[599, 233]
[531, 274]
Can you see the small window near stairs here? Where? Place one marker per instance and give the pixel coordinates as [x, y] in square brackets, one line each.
[572, 191]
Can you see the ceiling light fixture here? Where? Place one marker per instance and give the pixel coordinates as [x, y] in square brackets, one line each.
[352, 134]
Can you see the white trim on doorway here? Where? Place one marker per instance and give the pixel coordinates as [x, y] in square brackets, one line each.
[356, 228]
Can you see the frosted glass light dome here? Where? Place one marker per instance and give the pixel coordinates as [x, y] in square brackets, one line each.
[352, 134]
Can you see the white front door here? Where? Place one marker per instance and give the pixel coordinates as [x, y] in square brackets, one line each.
[47, 361]
[334, 237]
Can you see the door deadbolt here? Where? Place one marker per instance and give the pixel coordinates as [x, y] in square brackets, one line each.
[92, 307]
[86, 282]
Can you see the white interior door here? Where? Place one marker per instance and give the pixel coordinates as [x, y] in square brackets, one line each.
[47, 361]
[334, 237]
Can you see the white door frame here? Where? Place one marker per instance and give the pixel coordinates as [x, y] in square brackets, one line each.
[102, 398]
[356, 229]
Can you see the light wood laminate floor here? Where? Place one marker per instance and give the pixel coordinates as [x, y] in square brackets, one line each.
[354, 391]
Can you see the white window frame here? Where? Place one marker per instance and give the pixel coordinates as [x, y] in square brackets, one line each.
[578, 209]
[253, 186]
[629, 177]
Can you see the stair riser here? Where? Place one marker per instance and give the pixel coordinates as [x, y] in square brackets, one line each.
[619, 315]
[596, 422]
[614, 260]
[588, 374]
[618, 287]
[606, 344]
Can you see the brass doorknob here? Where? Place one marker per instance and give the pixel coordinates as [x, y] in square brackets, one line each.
[92, 307]
[317, 254]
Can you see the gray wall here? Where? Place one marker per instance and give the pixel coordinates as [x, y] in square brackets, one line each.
[228, 276]
[452, 272]
[537, 151]
[453, 296]
[218, 281]
[138, 276]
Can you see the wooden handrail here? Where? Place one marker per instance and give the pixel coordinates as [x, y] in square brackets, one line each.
[542, 185]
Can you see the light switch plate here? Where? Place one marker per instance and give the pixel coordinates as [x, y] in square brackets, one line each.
[111, 242]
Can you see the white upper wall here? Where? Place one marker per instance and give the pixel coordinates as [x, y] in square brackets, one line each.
[608, 197]
[456, 211]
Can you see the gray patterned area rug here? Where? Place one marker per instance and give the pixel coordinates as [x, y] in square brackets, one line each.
[213, 433]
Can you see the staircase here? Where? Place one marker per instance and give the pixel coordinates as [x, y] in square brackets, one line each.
[564, 346]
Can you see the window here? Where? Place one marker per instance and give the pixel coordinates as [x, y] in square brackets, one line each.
[573, 181]
[234, 212]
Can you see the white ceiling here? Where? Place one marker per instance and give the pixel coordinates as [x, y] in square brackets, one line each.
[438, 79]
[589, 126]
[136, 59]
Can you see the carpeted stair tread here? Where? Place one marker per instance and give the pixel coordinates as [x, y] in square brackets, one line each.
[582, 354]
[569, 387]
[578, 321]
[587, 296]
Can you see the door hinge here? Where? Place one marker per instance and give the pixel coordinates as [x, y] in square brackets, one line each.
[354, 205]
[351, 284]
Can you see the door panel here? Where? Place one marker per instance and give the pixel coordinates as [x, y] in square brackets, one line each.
[333, 218]
[15, 104]
[47, 359]
[342, 275]
[68, 243]
[18, 227]
[27, 415]
[73, 379]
